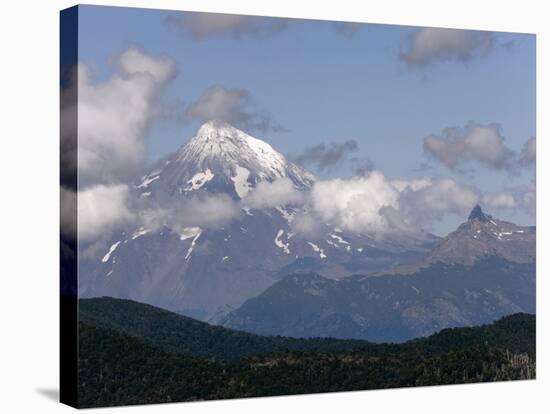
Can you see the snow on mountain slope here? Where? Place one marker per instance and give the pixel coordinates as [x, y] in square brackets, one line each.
[198, 269]
[221, 158]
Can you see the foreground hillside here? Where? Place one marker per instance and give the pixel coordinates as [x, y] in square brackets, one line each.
[175, 333]
[119, 367]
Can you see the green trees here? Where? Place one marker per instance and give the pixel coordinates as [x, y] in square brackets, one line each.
[116, 368]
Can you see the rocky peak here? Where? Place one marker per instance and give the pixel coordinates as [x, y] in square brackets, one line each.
[478, 214]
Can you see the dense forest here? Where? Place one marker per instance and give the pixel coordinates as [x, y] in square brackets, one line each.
[132, 353]
[172, 332]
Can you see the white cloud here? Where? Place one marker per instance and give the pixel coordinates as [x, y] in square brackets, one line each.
[133, 61]
[114, 115]
[500, 200]
[430, 44]
[272, 194]
[219, 103]
[375, 205]
[415, 184]
[528, 199]
[215, 211]
[528, 153]
[423, 205]
[520, 198]
[354, 205]
[306, 223]
[102, 209]
[113, 118]
[211, 211]
[473, 143]
[234, 106]
[205, 25]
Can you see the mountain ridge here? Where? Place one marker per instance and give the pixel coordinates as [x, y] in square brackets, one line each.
[389, 308]
[480, 236]
[205, 270]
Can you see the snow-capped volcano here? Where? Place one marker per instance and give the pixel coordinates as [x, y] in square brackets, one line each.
[200, 269]
[222, 158]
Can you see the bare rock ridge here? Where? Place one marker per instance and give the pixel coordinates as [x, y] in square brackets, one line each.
[483, 235]
[478, 214]
[480, 236]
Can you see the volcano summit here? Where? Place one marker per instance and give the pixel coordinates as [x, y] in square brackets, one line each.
[202, 269]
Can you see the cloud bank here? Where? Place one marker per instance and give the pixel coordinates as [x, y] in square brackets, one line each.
[429, 45]
[379, 206]
[215, 210]
[372, 204]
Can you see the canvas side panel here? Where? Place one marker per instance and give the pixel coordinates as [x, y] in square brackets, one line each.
[68, 207]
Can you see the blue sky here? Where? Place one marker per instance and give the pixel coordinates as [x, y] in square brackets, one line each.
[325, 87]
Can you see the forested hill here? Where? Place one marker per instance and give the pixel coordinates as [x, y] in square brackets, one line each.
[175, 333]
[116, 368]
[172, 332]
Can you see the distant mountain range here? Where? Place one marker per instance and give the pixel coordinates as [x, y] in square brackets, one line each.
[255, 273]
[389, 308]
[206, 272]
[479, 273]
[132, 353]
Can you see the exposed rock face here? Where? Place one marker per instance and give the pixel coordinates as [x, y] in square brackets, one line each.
[481, 236]
[478, 214]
